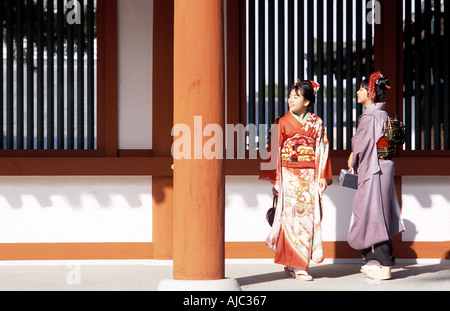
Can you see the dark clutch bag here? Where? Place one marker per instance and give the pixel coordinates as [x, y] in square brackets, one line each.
[270, 215]
[348, 179]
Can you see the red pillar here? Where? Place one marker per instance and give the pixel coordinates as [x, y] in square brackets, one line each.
[198, 217]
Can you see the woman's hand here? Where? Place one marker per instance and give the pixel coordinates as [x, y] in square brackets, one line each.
[274, 191]
[349, 161]
[323, 184]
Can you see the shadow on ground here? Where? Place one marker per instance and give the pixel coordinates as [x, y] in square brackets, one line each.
[408, 271]
[318, 272]
[348, 277]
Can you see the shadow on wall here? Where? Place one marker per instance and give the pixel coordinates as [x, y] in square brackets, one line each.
[404, 249]
[426, 190]
[426, 203]
[76, 192]
[248, 190]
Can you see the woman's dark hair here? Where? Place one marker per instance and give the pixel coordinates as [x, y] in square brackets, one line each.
[380, 88]
[306, 89]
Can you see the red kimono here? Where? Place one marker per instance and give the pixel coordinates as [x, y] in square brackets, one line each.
[302, 160]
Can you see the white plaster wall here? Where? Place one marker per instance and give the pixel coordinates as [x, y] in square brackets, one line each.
[248, 199]
[337, 211]
[75, 209]
[119, 209]
[246, 203]
[135, 48]
[426, 208]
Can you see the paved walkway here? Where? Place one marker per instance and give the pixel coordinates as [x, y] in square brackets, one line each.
[345, 277]
[252, 275]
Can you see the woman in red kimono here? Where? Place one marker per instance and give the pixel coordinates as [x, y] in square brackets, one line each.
[303, 173]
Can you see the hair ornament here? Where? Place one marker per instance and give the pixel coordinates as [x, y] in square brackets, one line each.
[315, 85]
[373, 80]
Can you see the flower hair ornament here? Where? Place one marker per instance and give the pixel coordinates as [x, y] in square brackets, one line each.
[373, 81]
[315, 85]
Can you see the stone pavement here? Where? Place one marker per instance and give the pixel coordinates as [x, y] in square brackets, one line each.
[252, 275]
[433, 276]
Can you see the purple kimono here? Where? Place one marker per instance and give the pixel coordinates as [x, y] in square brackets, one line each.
[376, 211]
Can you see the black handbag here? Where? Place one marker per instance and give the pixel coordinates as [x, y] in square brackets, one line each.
[348, 179]
[270, 215]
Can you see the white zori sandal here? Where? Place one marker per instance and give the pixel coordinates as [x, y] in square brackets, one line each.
[376, 272]
[298, 274]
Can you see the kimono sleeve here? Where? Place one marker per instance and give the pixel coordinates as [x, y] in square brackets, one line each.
[273, 175]
[364, 148]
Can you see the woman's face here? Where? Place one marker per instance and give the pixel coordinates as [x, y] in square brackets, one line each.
[297, 103]
[362, 96]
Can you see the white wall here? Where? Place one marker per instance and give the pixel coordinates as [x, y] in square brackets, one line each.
[426, 209]
[248, 199]
[75, 209]
[135, 48]
[337, 211]
[119, 209]
[246, 203]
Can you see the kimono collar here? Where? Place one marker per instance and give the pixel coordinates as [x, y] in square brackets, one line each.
[376, 106]
[299, 119]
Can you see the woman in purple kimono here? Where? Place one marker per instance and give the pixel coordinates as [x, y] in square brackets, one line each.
[376, 213]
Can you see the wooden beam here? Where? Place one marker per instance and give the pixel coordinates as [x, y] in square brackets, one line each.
[162, 186]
